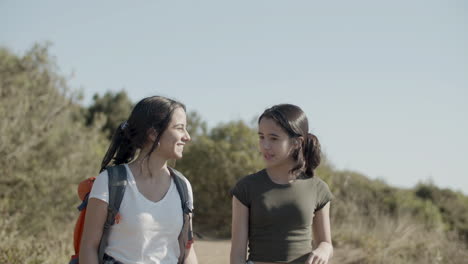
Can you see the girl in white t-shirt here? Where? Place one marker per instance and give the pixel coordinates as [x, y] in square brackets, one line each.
[150, 213]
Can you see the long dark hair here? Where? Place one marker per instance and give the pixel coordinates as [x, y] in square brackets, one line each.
[150, 113]
[294, 121]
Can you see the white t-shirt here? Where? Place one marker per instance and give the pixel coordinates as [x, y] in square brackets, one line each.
[147, 231]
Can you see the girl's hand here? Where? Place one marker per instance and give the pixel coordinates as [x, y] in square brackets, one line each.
[319, 256]
[322, 235]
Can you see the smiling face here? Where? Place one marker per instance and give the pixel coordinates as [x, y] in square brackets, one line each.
[274, 143]
[173, 139]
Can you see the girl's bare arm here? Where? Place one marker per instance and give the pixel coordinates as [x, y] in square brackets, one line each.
[239, 232]
[96, 214]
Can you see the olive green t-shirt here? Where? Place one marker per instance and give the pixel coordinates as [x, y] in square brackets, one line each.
[280, 216]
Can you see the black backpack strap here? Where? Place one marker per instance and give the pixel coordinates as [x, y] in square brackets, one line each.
[182, 188]
[117, 183]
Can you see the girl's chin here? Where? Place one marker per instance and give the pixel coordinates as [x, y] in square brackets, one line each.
[177, 155]
[269, 163]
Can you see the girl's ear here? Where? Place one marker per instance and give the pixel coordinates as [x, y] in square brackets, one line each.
[296, 145]
[298, 141]
[152, 134]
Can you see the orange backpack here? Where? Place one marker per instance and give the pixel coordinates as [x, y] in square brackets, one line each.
[84, 188]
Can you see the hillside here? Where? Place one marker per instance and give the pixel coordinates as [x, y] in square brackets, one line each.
[49, 142]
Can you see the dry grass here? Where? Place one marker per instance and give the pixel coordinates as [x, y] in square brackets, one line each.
[217, 252]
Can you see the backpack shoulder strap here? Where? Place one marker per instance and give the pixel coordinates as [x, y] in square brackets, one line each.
[117, 184]
[186, 234]
[117, 178]
[182, 188]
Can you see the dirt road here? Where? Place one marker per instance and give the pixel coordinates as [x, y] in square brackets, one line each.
[213, 251]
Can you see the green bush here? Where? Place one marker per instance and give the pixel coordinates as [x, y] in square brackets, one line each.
[213, 163]
[49, 142]
[46, 149]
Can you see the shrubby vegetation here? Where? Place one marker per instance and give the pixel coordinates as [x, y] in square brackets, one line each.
[49, 142]
[213, 162]
[113, 108]
[46, 148]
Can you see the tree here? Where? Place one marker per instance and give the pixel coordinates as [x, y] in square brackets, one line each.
[196, 126]
[213, 163]
[114, 107]
[45, 151]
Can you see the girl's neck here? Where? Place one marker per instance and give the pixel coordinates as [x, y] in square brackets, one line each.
[150, 166]
[280, 174]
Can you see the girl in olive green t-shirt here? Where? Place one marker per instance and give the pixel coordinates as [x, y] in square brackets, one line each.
[277, 211]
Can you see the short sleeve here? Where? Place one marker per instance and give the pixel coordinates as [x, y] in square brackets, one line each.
[240, 191]
[100, 188]
[324, 195]
[190, 193]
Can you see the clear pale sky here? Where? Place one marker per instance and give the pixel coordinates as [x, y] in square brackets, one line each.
[384, 83]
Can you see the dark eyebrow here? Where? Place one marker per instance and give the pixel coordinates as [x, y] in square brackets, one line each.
[271, 134]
